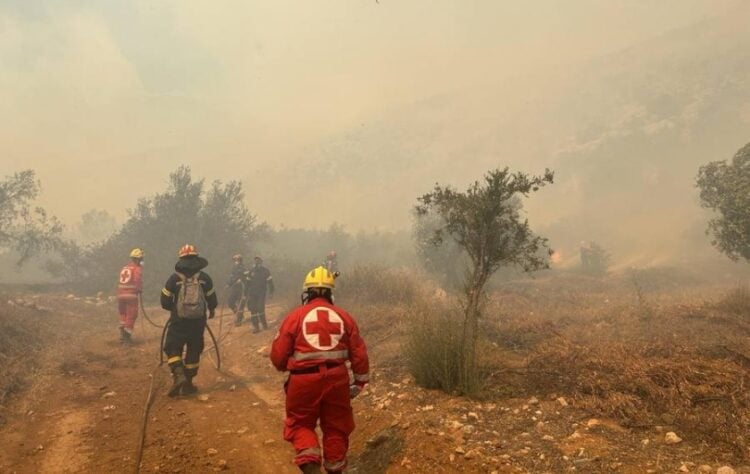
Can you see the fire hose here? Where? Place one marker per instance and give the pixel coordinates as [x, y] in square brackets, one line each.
[152, 375]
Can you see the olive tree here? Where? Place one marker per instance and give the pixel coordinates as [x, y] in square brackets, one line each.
[486, 222]
[725, 188]
[24, 228]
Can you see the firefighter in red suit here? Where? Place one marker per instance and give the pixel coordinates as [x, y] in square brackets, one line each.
[314, 343]
[129, 289]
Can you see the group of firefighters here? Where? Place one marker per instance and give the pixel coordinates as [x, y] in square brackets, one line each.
[313, 344]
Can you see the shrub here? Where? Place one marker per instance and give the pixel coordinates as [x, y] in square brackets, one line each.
[433, 347]
[737, 301]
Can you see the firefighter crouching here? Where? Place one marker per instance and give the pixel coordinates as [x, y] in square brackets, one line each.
[314, 343]
[129, 289]
[188, 295]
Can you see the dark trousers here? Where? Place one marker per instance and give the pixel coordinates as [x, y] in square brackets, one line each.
[237, 302]
[256, 303]
[185, 336]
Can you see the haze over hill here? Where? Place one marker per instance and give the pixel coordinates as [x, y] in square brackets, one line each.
[376, 102]
[625, 134]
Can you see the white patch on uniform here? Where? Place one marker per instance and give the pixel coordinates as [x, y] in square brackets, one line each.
[323, 328]
[125, 275]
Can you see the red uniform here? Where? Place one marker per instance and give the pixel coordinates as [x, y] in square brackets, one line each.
[129, 287]
[314, 343]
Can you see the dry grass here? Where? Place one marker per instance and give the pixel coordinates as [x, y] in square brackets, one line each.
[377, 284]
[737, 302]
[22, 334]
[646, 385]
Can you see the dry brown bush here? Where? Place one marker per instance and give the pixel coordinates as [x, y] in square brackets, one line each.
[737, 302]
[378, 284]
[644, 385]
[22, 334]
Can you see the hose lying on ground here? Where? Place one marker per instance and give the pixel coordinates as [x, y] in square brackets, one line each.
[145, 315]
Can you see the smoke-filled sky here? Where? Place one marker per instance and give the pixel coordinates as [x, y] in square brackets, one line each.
[365, 103]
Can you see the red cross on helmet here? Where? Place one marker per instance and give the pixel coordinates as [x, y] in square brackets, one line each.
[187, 250]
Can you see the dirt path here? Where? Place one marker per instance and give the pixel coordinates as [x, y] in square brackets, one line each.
[83, 413]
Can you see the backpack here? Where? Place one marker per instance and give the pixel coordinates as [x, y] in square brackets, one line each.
[191, 302]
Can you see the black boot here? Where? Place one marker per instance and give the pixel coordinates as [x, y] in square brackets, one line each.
[188, 388]
[310, 468]
[238, 317]
[256, 326]
[178, 374]
[125, 337]
[262, 317]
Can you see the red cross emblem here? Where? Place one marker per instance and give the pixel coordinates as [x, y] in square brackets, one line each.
[323, 328]
[125, 275]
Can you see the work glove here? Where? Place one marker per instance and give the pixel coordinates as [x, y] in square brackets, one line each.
[211, 313]
[355, 389]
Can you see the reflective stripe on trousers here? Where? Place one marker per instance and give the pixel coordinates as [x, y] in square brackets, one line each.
[334, 466]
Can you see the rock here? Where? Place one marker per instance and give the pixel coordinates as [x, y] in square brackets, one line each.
[109, 394]
[460, 450]
[645, 442]
[667, 418]
[222, 464]
[562, 401]
[593, 422]
[269, 441]
[704, 468]
[473, 415]
[473, 454]
[212, 451]
[548, 438]
[468, 429]
[533, 401]
[232, 388]
[672, 438]
[262, 351]
[40, 448]
[452, 457]
[683, 468]
[108, 408]
[203, 398]
[725, 470]
[453, 424]
[575, 435]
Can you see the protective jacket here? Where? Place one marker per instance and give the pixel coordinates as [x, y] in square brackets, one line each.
[188, 266]
[259, 280]
[237, 274]
[313, 344]
[130, 283]
[320, 333]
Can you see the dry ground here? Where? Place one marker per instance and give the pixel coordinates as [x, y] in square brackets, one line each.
[582, 375]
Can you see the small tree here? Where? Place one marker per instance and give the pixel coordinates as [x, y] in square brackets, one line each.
[96, 225]
[25, 229]
[725, 188]
[216, 220]
[485, 221]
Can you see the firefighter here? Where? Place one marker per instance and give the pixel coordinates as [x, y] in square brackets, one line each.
[188, 295]
[331, 262]
[259, 283]
[236, 286]
[314, 343]
[129, 289]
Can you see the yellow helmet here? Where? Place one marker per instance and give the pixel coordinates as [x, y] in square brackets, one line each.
[320, 277]
[136, 253]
